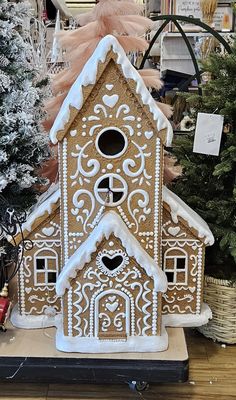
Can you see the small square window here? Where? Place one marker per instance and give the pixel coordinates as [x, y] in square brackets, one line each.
[170, 263]
[180, 277]
[170, 277]
[52, 277]
[181, 263]
[51, 263]
[40, 263]
[41, 278]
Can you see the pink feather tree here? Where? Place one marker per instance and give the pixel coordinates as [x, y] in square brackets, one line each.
[117, 17]
[122, 19]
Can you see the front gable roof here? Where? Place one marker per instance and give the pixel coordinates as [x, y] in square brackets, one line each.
[88, 76]
[110, 223]
[179, 209]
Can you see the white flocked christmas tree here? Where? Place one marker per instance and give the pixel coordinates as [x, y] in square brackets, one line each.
[23, 145]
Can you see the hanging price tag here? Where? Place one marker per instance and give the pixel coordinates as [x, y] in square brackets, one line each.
[208, 134]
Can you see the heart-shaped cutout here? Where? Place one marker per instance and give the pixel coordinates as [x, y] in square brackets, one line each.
[174, 230]
[28, 290]
[112, 262]
[112, 306]
[48, 231]
[110, 101]
[111, 298]
[148, 134]
[192, 289]
[109, 87]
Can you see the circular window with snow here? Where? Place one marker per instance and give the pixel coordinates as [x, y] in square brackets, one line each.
[111, 142]
[110, 190]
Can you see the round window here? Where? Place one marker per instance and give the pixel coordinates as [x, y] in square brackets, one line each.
[111, 143]
[110, 189]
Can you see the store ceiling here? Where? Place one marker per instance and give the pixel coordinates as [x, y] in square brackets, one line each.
[79, 6]
[76, 6]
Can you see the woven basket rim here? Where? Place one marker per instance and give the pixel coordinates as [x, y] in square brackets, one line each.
[220, 282]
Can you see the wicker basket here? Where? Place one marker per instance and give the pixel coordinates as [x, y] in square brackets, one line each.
[220, 295]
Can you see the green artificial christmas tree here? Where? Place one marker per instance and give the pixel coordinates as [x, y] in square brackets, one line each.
[23, 145]
[208, 183]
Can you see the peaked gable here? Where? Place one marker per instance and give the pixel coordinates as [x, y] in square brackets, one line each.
[179, 209]
[47, 203]
[88, 76]
[109, 224]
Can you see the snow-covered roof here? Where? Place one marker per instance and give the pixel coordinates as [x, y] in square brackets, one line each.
[44, 206]
[110, 223]
[89, 75]
[180, 209]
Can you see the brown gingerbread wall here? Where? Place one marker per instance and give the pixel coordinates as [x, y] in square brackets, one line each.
[141, 207]
[34, 295]
[180, 242]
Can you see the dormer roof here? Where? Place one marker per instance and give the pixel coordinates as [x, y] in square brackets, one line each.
[179, 209]
[47, 203]
[88, 76]
[110, 223]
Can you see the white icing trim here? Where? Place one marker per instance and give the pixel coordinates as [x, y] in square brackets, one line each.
[137, 344]
[180, 209]
[44, 204]
[88, 76]
[199, 281]
[188, 320]
[32, 321]
[21, 286]
[110, 223]
[110, 100]
[157, 209]
[64, 184]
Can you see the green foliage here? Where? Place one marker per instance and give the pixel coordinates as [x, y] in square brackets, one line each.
[208, 183]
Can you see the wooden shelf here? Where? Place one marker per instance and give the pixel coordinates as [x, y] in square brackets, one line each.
[30, 356]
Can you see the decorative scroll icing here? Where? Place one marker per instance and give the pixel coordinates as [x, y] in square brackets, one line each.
[92, 163]
[142, 203]
[78, 309]
[79, 204]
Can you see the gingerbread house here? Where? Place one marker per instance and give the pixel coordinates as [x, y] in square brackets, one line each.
[122, 239]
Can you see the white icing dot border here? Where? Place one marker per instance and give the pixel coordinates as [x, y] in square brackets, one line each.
[65, 200]
[156, 201]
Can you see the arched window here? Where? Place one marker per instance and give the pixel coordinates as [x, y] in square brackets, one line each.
[176, 266]
[45, 267]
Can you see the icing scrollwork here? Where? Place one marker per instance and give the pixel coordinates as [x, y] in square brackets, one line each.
[106, 321]
[142, 204]
[119, 321]
[79, 204]
[131, 163]
[92, 163]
